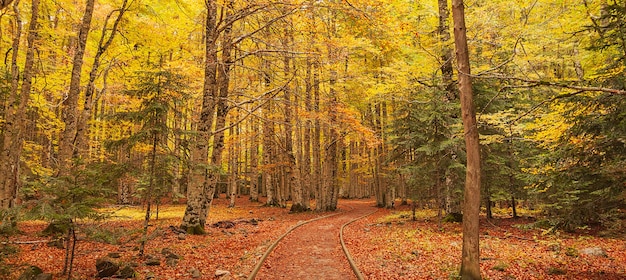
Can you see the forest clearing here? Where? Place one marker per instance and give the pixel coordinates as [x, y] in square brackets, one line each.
[301, 122]
[387, 244]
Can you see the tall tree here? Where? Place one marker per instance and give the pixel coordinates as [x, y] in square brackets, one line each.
[67, 139]
[470, 268]
[198, 190]
[106, 38]
[13, 136]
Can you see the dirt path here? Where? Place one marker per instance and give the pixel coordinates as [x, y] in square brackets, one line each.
[313, 251]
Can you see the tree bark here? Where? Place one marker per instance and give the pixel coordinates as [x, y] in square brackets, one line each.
[223, 82]
[198, 192]
[316, 179]
[254, 154]
[291, 169]
[5, 3]
[13, 138]
[69, 107]
[470, 268]
[82, 126]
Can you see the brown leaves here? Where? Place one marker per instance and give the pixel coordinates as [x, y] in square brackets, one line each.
[383, 246]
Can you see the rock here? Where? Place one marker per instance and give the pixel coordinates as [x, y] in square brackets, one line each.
[105, 267]
[571, 252]
[555, 247]
[415, 253]
[150, 275]
[152, 261]
[220, 273]
[182, 236]
[57, 243]
[254, 222]
[114, 255]
[453, 218]
[195, 273]
[30, 273]
[169, 254]
[166, 251]
[171, 262]
[224, 224]
[594, 251]
[127, 272]
[44, 276]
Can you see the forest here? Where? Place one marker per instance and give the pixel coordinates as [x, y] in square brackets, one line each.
[300, 106]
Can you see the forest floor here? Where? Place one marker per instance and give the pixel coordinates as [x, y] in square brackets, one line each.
[385, 245]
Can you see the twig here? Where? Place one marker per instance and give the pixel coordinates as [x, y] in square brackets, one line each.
[29, 242]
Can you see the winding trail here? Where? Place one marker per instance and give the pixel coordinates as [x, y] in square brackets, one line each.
[313, 250]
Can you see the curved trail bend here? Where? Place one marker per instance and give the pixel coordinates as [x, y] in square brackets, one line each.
[314, 250]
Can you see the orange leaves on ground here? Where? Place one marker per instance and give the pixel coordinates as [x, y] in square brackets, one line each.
[399, 248]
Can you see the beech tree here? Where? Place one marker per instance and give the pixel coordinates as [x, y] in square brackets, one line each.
[67, 139]
[19, 96]
[470, 268]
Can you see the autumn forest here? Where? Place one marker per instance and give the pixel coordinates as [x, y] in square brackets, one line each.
[455, 119]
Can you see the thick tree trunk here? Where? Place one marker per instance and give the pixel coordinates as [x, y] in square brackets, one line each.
[330, 189]
[451, 92]
[223, 82]
[470, 268]
[13, 137]
[199, 194]
[293, 181]
[69, 107]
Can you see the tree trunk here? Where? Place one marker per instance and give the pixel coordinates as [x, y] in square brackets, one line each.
[198, 192]
[82, 126]
[13, 138]
[470, 268]
[317, 180]
[254, 154]
[291, 169]
[447, 71]
[268, 155]
[330, 190]
[233, 158]
[69, 107]
[5, 3]
[306, 141]
[149, 190]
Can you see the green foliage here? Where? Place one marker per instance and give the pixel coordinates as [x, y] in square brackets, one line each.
[72, 197]
[113, 236]
[8, 221]
[160, 94]
[6, 251]
[501, 266]
[426, 127]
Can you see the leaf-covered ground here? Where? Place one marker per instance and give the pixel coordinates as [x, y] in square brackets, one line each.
[386, 245]
[390, 245]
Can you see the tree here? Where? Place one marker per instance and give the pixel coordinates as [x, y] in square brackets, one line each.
[67, 140]
[158, 92]
[13, 135]
[82, 123]
[470, 268]
[5, 3]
